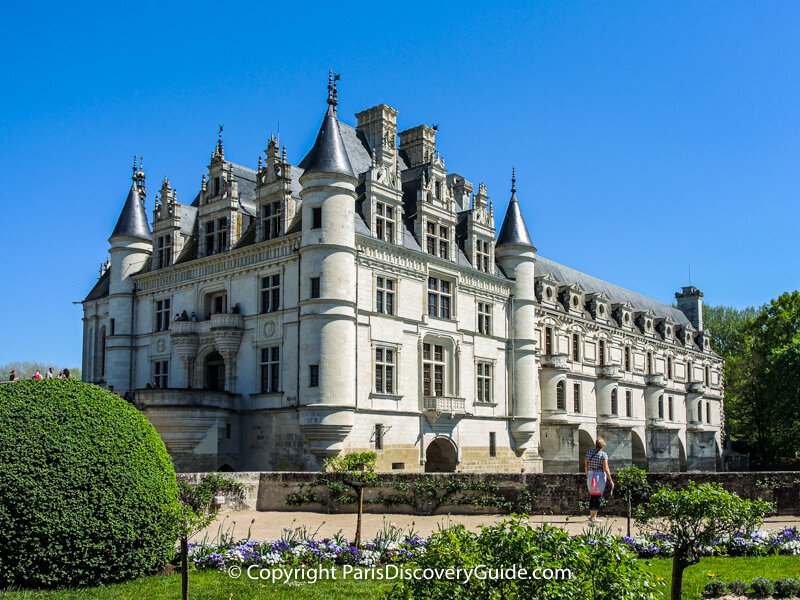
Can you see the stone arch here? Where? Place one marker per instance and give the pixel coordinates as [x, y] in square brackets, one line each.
[585, 443]
[638, 451]
[213, 371]
[441, 456]
[226, 468]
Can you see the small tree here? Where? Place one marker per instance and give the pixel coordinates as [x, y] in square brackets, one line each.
[694, 518]
[198, 510]
[632, 484]
[357, 471]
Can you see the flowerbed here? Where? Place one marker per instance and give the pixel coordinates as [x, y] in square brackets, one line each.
[757, 543]
[299, 547]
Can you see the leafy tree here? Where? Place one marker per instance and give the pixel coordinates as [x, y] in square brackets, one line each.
[694, 518]
[632, 484]
[357, 471]
[728, 327]
[198, 510]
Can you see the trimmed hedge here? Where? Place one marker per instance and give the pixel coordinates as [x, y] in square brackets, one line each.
[87, 490]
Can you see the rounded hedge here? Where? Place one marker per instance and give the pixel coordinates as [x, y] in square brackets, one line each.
[87, 490]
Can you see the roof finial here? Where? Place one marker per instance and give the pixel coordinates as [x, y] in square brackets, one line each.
[134, 168]
[513, 180]
[220, 149]
[333, 93]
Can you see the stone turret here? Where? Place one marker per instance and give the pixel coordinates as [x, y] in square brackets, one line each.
[131, 246]
[327, 290]
[690, 303]
[516, 255]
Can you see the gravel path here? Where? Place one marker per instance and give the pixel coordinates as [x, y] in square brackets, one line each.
[269, 525]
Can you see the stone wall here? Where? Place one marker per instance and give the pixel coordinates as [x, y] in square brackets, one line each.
[554, 493]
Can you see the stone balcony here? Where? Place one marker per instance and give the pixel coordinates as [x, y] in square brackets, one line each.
[696, 387]
[445, 404]
[227, 329]
[555, 361]
[655, 380]
[186, 398]
[609, 372]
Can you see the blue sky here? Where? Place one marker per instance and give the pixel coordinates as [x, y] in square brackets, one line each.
[649, 138]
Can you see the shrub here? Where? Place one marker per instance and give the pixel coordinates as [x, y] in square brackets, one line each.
[601, 566]
[762, 586]
[715, 589]
[87, 490]
[787, 588]
[738, 587]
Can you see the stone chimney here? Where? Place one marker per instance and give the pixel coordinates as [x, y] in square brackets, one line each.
[379, 126]
[690, 303]
[418, 144]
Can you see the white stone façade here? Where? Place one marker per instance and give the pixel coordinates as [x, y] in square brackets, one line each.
[360, 300]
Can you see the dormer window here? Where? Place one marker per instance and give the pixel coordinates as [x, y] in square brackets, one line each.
[384, 222]
[548, 292]
[438, 240]
[217, 185]
[164, 250]
[216, 236]
[482, 255]
[271, 220]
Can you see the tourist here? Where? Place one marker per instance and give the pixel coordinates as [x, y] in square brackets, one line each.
[194, 317]
[50, 373]
[184, 316]
[13, 375]
[64, 374]
[597, 474]
[37, 376]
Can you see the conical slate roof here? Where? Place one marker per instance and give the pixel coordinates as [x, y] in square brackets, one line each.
[514, 232]
[132, 220]
[328, 154]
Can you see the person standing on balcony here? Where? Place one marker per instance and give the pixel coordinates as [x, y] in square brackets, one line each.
[597, 474]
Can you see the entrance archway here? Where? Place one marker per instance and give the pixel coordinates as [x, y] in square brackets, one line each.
[585, 443]
[441, 456]
[214, 372]
[638, 453]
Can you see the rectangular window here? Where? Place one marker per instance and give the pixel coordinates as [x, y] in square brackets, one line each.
[216, 236]
[485, 318]
[270, 370]
[440, 298]
[628, 403]
[661, 406]
[708, 412]
[669, 367]
[315, 287]
[164, 250]
[433, 368]
[162, 314]
[270, 293]
[627, 359]
[384, 370]
[492, 444]
[614, 402]
[210, 238]
[601, 358]
[438, 240]
[316, 218]
[227, 431]
[576, 398]
[548, 341]
[649, 363]
[161, 373]
[217, 303]
[271, 220]
[670, 412]
[384, 295]
[378, 437]
[484, 382]
[313, 375]
[384, 222]
[482, 255]
[112, 328]
[576, 347]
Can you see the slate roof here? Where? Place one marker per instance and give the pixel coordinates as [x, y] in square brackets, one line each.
[101, 288]
[132, 220]
[514, 232]
[565, 275]
[328, 154]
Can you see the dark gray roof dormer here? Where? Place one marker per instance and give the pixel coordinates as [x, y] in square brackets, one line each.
[514, 232]
[132, 220]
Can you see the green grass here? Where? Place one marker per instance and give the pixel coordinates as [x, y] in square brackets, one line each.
[726, 569]
[213, 585]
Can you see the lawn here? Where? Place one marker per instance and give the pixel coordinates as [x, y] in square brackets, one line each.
[213, 585]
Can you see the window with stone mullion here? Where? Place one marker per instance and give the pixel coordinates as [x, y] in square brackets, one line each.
[384, 371]
[433, 370]
[484, 382]
[384, 222]
[271, 220]
[270, 370]
[439, 298]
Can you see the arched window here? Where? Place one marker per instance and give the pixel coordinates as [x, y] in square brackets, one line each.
[614, 402]
[561, 395]
[628, 403]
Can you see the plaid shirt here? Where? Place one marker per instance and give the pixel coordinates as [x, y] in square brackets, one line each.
[596, 458]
